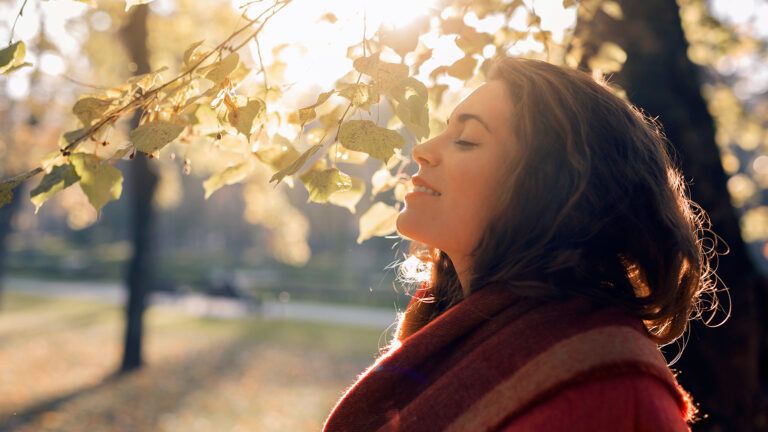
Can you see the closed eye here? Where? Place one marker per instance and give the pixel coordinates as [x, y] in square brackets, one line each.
[463, 143]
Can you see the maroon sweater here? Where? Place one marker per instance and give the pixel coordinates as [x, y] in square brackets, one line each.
[499, 361]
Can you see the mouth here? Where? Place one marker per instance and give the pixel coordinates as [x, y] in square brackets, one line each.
[418, 184]
[426, 190]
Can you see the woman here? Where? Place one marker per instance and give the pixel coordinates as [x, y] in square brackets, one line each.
[562, 250]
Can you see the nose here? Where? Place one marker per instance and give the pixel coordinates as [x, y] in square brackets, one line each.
[425, 153]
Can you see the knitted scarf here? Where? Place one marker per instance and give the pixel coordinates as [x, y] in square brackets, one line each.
[491, 357]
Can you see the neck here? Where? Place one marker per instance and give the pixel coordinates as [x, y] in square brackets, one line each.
[463, 271]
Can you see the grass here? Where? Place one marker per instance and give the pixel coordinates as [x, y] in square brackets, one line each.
[58, 358]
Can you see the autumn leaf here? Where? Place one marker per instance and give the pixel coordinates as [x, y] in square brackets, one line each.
[7, 186]
[101, 182]
[349, 198]
[308, 113]
[231, 175]
[191, 54]
[296, 165]
[609, 58]
[278, 155]
[12, 57]
[89, 109]
[242, 117]
[155, 135]
[60, 178]
[414, 114]
[322, 183]
[221, 69]
[463, 68]
[379, 220]
[385, 75]
[360, 95]
[367, 137]
[131, 3]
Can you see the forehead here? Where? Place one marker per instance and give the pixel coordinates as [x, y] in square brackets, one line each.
[491, 102]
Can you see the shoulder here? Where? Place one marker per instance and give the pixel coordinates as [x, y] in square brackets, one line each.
[631, 402]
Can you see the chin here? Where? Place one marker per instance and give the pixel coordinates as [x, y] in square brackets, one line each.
[408, 228]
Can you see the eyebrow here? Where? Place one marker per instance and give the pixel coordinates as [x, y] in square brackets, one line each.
[467, 116]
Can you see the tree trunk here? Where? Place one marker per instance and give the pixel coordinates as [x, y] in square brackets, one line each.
[6, 217]
[720, 366]
[143, 181]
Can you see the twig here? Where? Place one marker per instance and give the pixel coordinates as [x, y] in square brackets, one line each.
[13, 28]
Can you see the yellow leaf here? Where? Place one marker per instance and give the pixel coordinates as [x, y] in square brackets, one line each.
[7, 186]
[609, 58]
[155, 135]
[322, 183]
[367, 137]
[89, 109]
[60, 178]
[278, 155]
[223, 68]
[12, 57]
[612, 9]
[349, 198]
[230, 175]
[385, 75]
[242, 117]
[463, 68]
[296, 165]
[191, 54]
[131, 3]
[379, 220]
[100, 182]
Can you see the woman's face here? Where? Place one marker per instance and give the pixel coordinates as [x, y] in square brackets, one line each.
[463, 166]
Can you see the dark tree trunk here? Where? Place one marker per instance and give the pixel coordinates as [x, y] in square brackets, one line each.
[6, 217]
[720, 366]
[143, 181]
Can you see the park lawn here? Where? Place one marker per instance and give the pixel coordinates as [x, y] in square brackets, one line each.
[57, 359]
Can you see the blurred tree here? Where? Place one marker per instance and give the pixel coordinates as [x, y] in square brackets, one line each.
[141, 272]
[721, 366]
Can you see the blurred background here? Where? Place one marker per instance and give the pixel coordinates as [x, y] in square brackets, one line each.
[261, 307]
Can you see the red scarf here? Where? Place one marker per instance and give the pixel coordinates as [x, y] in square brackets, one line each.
[491, 357]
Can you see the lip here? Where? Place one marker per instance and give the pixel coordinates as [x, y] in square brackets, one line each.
[419, 181]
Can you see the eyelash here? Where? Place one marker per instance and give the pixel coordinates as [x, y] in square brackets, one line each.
[463, 143]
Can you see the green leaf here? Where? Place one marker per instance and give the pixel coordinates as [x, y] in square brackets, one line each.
[379, 220]
[385, 75]
[367, 137]
[12, 57]
[101, 182]
[89, 109]
[223, 68]
[322, 183]
[349, 198]
[60, 178]
[230, 175]
[242, 117]
[155, 135]
[296, 165]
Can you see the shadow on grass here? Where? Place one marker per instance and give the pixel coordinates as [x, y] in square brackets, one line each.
[286, 355]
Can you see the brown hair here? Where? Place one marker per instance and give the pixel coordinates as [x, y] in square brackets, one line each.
[592, 206]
